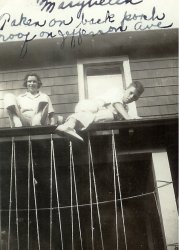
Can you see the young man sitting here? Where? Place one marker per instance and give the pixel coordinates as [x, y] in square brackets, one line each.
[107, 107]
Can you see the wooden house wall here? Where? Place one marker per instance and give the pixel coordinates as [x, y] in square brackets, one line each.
[159, 76]
[160, 79]
[60, 83]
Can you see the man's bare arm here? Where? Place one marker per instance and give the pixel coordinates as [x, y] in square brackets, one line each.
[121, 110]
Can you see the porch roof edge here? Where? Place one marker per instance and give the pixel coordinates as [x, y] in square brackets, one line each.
[124, 124]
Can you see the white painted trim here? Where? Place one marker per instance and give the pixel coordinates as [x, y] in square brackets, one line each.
[127, 75]
[166, 197]
[102, 59]
[81, 85]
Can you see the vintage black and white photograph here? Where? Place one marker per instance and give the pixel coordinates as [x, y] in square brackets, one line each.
[88, 125]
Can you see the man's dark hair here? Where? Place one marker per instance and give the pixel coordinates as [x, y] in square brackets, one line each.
[138, 86]
[32, 74]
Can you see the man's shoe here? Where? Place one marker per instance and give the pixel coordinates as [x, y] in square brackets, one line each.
[68, 131]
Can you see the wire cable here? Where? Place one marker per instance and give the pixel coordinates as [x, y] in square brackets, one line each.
[28, 196]
[16, 201]
[51, 201]
[119, 186]
[10, 195]
[96, 193]
[76, 196]
[35, 198]
[57, 195]
[71, 198]
[115, 197]
[91, 198]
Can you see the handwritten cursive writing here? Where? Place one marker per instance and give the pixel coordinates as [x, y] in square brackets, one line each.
[145, 22]
[23, 20]
[76, 36]
[5, 19]
[74, 28]
[90, 3]
[49, 6]
[109, 18]
[139, 26]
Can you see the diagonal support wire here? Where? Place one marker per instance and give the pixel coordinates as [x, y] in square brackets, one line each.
[15, 182]
[0, 218]
[91, 198]
[10, 195]
[119, 186]
[35, 197]
[28, 195]
[76, 195]
[71, 198]
[95, 189]
[115, 196]
[51, 198]
[57, 195]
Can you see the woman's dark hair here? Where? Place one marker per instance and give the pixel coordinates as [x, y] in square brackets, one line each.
[32, 74]
[138, 86]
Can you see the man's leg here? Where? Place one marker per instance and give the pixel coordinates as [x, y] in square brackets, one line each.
[68, 128]
[87, 106]
[79, 120]
[104, 115]
[10, 104]
[84, 115]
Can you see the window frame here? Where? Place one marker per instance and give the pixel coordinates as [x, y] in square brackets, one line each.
[82, 64]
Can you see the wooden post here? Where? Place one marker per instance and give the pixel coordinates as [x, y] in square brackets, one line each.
[166, 198]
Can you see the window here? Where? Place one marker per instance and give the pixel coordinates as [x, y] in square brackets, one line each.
[96, 76]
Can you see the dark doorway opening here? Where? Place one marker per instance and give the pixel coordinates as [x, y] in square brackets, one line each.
[141, 218]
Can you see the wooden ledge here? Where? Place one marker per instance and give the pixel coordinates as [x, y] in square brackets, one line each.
[115, 125]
